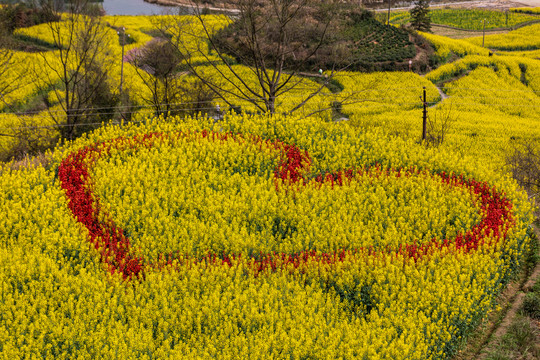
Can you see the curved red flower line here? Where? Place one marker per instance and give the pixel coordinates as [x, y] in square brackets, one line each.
[114, 245]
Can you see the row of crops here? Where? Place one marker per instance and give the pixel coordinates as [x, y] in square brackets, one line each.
[469, 19]
[386, 44]
[260, 237]
[287, 237]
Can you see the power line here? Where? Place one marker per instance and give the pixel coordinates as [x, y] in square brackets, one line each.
[338, 94]
[346, 97]
[35, 127]
[261, 100]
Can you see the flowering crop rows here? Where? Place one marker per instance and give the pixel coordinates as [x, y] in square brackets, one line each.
[492, 102]
[378, 92]
[260, 237]
[526, 10]
[445, 46]
[525, 38]
[470, 19]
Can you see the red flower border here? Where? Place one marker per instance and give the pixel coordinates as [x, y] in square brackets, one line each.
[114, 244]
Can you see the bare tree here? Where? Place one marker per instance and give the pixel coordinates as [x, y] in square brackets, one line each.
[170, 90]
[268, 36]
[25, 138]
[6, 60]
[524, 161]
[79, 71]
[439, 123]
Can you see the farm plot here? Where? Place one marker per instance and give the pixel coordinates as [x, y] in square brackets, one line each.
[281, 237]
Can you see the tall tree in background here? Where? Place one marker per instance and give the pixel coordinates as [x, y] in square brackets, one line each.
[78, 72]
[6, 61]
[420, 18]
[268, 36]
[169, 90]
[24, 138]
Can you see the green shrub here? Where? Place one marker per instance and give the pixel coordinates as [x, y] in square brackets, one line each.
[531, 305]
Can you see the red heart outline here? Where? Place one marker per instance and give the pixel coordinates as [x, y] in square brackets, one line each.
[114, 245]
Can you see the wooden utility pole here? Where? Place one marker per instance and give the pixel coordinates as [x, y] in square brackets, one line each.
[122, 62]
[122, 99]
[424, 117]
[484, 33]
[389, 4]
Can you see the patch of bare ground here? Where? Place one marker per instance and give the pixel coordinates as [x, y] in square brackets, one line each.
[501, 5]
[27, 162]
[491, 332]
[219, 6]
[454, 33]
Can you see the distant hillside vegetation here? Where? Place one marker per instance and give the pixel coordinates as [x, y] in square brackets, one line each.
[353, 40]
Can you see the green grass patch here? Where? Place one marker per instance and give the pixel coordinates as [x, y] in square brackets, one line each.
[34, 42]
[468, 19]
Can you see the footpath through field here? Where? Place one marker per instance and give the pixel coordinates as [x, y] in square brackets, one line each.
[478, 4]
[532, 3]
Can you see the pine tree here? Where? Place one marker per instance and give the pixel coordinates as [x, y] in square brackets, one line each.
[420, 19]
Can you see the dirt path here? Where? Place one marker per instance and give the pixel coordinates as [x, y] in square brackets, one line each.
[497, 4]
[531, 3]
[495, 330]
[517, 302]
[454, 33]
[443, 95]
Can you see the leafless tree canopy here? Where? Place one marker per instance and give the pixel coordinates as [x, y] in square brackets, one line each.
[6, 86]
[24, 139]
[79, 73]
[269, 36]
[171, 91]
[524, 162]
[439, 124]
[278, 32]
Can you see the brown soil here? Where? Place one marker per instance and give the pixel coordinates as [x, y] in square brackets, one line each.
[217, 5]
[27, 162]
[461, 34]
[488, 5]
[491, 331]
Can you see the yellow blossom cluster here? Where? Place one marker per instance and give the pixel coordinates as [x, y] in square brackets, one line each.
[23, 81]
[496, 90]
[138, 28]
[492, 102]
[219, 196]
[534, 54]
[18, 129]
[525, 38]
[379, 92]
[470, 19]
[446, 46]
[516, 67]
[526, 10]
[330, 285]
[64, 32]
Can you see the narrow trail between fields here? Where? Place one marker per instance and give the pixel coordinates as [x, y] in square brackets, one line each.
[496, 327]
[443, 96]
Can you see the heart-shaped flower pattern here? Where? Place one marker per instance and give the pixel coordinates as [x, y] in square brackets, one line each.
[291, 170]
